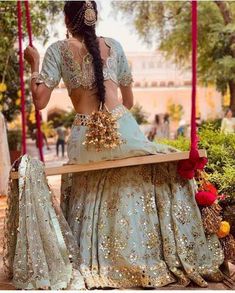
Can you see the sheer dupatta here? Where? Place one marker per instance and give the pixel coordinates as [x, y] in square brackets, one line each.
[40, 251]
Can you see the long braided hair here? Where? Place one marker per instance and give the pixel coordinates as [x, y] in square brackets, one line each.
[75, 14]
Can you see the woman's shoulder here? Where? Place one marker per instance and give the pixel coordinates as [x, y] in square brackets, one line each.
[55, 46]
[112, 42]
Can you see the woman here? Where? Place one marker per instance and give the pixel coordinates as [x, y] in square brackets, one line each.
[228, 122]
[159, 128]
[166, 126]
[134, 226]
[155, 128]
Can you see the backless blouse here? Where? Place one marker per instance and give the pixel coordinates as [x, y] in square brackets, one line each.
[59, 63]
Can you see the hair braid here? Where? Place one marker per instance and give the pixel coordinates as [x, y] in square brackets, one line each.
[92, 45]
[74, 11]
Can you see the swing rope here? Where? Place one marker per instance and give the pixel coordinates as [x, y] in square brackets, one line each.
[21, 63]
[37, 113]
[194, 138]
[187, 168]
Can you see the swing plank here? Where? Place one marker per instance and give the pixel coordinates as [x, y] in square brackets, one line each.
[133, 161]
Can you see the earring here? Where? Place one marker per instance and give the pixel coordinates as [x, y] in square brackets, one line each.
[67, 34]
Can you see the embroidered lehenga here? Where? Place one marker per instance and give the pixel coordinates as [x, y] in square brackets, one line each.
[126, 227]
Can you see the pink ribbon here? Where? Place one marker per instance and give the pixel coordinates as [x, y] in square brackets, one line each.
[38, 116]
[187, 168]
[21, 63]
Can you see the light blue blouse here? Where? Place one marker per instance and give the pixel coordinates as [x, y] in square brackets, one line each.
[59, 63]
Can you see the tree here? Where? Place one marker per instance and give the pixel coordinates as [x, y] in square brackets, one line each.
[139, 115]
[169, 25]
[42, 14]
[175, 111]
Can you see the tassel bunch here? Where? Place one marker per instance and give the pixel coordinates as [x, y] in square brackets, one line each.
[102, 132]
[228, 245]
[211, 218]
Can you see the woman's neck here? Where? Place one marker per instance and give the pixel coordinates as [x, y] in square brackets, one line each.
[80, 39]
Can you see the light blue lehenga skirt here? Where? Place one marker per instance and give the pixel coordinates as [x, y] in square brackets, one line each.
[135, 226]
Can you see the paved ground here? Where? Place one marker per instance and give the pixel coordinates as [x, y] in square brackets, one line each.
[52, 160]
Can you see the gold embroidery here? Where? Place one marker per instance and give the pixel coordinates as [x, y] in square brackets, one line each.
[112, 247]
[148, 202]
[138, 222]
[127, 276]
[126, 79]
[161, 174]
[182, 212]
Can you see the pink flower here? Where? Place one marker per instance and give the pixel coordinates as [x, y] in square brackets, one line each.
[205, 198]
[209, 187]
[223, 196]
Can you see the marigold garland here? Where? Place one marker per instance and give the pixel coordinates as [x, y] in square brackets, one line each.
[3, 87]
[224, 229]
[209, 187]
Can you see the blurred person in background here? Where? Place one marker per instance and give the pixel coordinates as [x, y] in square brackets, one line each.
[155, 129]
[166, 126]
[61, 135]
[182, 129]
[44, 139]
[228, 122]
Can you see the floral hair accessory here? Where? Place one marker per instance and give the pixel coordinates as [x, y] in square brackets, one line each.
[89, 14]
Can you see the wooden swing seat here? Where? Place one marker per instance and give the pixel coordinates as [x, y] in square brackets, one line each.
[133, 161]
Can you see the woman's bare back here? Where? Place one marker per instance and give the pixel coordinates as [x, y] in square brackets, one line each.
[85, 100]
[70, 60]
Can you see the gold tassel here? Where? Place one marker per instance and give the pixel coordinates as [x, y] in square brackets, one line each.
[211, 218]
[228, 245]
[102, 132]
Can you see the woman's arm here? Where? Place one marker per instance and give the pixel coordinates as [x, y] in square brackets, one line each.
[43, 84]
[127, 96]
[40, 92]
[124, 77]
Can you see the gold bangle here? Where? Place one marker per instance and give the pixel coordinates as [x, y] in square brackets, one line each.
[34, 75]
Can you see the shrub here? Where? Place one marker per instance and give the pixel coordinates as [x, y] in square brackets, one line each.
[65, 119]
[14, 139]
[139, 114]
[48, 129]
[181, 143]
[221, 155]
[175, 111]
[216, 123]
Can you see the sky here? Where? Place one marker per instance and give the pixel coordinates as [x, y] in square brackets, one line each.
[108, 26]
